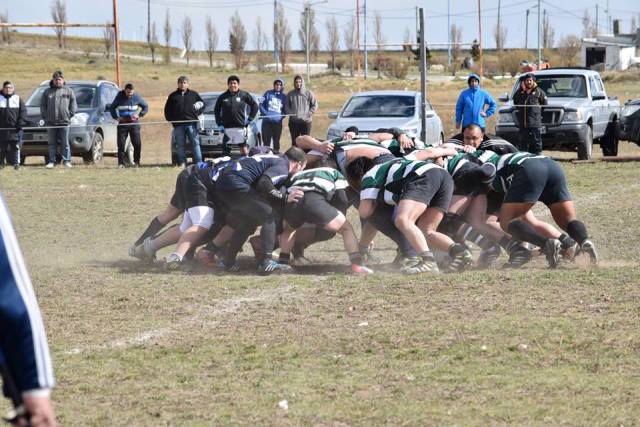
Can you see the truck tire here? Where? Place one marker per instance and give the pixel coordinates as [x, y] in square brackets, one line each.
[609, 142]
[585, 148]
[95, 155]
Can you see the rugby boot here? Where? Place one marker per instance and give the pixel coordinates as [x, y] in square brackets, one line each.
[552, 251]
[420, 266]
[589, 248]
[460, 261]
[271, 266]
[518, 257]
[361, 269]
[173, 262]
[489, 256]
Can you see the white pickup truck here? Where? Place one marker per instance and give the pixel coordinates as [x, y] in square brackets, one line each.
[578, 115]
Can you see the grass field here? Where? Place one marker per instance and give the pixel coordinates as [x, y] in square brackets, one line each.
[134, 345]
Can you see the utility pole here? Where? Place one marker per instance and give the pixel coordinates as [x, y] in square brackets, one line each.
[480, 31]
[539, 51]
[596, 19]
[358, 35]
[423, 80]
[306, 17]
[275, 34]
[148, 21]
[499, 29]
[526, 31]
[449, 33]
[544, 28]
[116, 34]
[366, 56]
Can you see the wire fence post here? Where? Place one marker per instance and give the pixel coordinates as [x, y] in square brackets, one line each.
[423, 80]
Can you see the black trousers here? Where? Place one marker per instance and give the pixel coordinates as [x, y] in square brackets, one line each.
[133, 131]
[297, 128]
[530, 140]
[246, 212]
[271, 131]
[10, 143]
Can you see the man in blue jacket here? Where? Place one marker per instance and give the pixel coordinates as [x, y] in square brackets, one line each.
[272, 110]
[24, 353]
[470, 107]
[127, 108]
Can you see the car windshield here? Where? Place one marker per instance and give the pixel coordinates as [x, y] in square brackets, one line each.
[209, 103]
[380, 106]
[84, 96]
[557, 86]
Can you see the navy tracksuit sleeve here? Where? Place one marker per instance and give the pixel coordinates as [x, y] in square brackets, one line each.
[22, 338]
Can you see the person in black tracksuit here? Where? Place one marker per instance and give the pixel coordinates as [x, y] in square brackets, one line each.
[12, 119]
[234, 110]
[184, 106]
[529, 99]
[127, 107]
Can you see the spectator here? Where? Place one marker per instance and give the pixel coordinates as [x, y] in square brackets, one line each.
[24, 353]
[57, 106]
[234, 110]
[272, 110]
[300, 105]
[12, 118]
[127, 108]
[528, 100]
[182, 109]
[470, 107]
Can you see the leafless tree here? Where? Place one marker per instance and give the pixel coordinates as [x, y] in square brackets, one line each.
[108, 35]
[634, 25]
[261, 44]
[237, 40]
[349, 36]
[548, 33]
[379, 39]
[456, 37]
[6, 32]
[283, 36]
[588, 27]
[212, 39]
[59, 16]
[568, 48]
[309, 15]
[153, 42]
[406, 43]
[499, 32]
[187, 37]
[333, 40]
[167, 38]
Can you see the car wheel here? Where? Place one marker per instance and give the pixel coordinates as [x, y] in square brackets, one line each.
[95, 155]
[585, 148]
[609, 143]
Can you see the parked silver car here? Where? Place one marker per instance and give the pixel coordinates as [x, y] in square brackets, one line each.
[211, 137]
[370, 111]
[92, 131]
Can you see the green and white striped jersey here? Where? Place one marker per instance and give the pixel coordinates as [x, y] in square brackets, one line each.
[454, 163]
[505, 166]
[321, 180]
[390, 177]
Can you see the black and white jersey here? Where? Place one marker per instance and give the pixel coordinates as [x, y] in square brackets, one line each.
[489, 143]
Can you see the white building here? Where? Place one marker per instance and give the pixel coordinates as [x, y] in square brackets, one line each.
[615, 52]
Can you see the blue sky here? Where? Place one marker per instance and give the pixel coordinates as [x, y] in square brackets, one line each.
[397, 16]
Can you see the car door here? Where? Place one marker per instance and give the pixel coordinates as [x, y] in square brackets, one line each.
[107, 123]
[599, 102]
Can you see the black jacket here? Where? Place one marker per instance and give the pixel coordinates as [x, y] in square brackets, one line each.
[183, 106]
[13, 115]
[231, 110]
[530, 112]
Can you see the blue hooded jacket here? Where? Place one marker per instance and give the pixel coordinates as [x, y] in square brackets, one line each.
[471, 103]
[272, 105]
